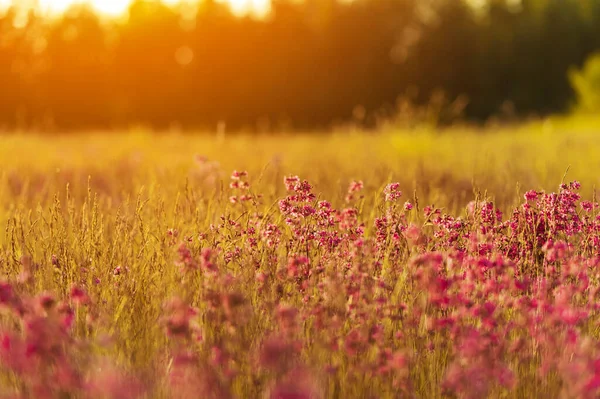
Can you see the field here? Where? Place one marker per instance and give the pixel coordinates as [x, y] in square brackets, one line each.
[399, 263]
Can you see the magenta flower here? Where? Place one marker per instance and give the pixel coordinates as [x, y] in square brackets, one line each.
[6, 293]
[79, 296]
[392, 192]
[238, 175]
[531, 195]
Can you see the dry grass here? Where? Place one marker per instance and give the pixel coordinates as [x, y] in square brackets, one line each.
[101, 201]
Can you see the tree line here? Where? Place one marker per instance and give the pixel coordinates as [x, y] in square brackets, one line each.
[307, 64]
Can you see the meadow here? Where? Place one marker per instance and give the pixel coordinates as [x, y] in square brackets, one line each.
[402, 263]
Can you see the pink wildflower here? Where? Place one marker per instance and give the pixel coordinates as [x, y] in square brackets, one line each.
[392, 192]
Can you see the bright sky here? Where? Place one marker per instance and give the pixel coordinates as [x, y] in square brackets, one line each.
[118, 7]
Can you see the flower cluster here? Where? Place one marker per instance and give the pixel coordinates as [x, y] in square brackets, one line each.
[318, 299]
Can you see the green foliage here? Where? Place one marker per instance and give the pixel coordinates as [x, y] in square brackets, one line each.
[586, 83]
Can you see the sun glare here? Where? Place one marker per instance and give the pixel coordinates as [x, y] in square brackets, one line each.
[248, 6]
[55, 6]
[111, 7]
[119, 7]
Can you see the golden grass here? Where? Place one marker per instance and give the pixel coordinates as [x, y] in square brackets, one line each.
[98, 201]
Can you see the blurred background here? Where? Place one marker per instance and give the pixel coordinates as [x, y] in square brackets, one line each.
[275, 65]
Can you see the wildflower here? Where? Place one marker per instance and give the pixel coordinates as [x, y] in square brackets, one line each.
[67, 315]
[238, 175]
[207, 260]
[429, 210]
[6, 293]
[178, 317]
[354, 343]
[298, 266]
[231, 302]
[587, 206]
[79, 296]
[271, 235]
[276, 352]
[531, 195]
[286, 316]
[186, 260]
[355, 187]
[413, 234]
[392, 192]
[291, 182]
[173, 232]
[46, 300]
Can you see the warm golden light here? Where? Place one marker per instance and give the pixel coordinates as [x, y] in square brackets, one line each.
[111, 7]
[119, 7]
[55, 6]
[248, 6]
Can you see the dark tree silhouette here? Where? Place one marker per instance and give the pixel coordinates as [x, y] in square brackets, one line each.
[306, 65]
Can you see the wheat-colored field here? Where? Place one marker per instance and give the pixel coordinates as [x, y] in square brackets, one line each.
[139, 264]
